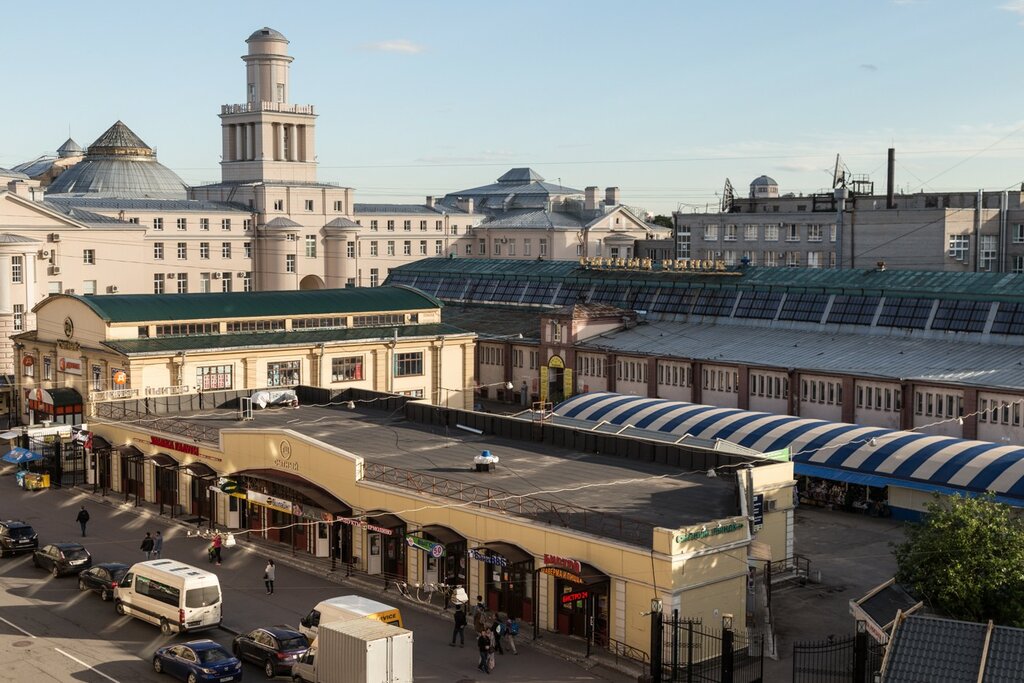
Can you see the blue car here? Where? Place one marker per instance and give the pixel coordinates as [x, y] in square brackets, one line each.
[198, 660]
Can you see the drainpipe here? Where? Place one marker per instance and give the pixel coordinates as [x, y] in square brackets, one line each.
[977, 231]
[1004, 202]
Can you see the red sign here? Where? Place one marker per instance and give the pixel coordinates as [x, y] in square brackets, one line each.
[161, 442]
[563, 562]
[573, 597]
[28, 361]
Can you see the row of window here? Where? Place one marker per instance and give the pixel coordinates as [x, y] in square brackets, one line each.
[205, 282]
[938, 404]
[407, 225]
[631, 370]
[491, 355]
[182, 251]
[204, 223]
[887, 399]
[674, 374]
[752, 233]
[999, 412]
[592, 366]
[390, 245]
[518, 358]
[721, 380]
[310, 205]
[988, 249]
[768, 386]
[772, 259]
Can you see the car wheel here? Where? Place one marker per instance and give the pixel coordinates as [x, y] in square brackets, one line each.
[119, 607]
[82, 586]
[165, 627]
[269, 669]
[55, 571]
[158, 666]
[105, 595]
[192, 678]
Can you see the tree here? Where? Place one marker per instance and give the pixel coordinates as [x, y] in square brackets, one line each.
[966, 559]
[663, 221]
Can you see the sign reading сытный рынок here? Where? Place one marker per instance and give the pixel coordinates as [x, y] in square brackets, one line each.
[704, 533]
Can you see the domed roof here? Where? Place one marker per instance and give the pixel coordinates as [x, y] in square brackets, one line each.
[70, 148]
[763, 180]
[120, 165]
[266, 33]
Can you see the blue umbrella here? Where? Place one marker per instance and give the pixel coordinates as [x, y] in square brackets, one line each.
[19, 455]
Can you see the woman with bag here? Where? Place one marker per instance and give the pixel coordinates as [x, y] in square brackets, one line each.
[268, 576]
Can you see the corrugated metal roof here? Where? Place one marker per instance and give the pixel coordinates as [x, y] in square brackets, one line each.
[126, 308]
[867, 355]
[124, 178]
[926, 649]
[395, 209]
[211, 342]
[36, 167]
[534, 218]
[8, 173]
[114, 203]
[973, 467]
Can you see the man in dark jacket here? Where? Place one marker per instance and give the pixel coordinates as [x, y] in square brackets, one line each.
[147, 546]
[82, 519]
[460, 627]
[483, 643]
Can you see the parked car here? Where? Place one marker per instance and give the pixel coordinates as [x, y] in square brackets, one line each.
[198, 660]
[275, 648]
[102, 578]
[16, 537]
[62, 558]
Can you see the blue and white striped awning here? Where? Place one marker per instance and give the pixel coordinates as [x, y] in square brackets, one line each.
[922, 461]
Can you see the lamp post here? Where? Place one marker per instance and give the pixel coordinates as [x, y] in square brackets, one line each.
[657, 647]
[727, 655]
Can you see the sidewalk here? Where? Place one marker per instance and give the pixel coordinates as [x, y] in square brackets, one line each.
[246, 611]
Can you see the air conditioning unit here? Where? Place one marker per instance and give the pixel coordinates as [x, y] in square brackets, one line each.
[44, 253]
[54, 270]
[171, 276]
[53, 237]
[216, 276]
[112, 289]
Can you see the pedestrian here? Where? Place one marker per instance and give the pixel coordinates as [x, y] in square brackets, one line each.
[147, 546]
[269, 573]
[511, 631]
[483, 644]
[479, 611]
[217, 543]
[82, 519]
[497, 633]
[460, 627]
[158, 545]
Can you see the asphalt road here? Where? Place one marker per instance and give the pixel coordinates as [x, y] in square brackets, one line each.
[49, 631]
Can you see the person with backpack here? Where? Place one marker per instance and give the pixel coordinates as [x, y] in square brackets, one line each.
[498, 633]
[511, 631]
[82, 519]
[460, 627]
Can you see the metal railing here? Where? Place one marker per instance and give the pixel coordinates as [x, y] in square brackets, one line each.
[551, 512]
[168, 425]
[628, 652]
[267, 106]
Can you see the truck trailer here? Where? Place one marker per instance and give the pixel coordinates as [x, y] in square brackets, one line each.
[357, 651]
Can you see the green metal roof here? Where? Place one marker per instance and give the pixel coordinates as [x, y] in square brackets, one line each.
[137, 308]
[164, 345]
[900, 283]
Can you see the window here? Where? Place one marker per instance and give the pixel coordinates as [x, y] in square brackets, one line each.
[1018, 264]
[348, 369]
[88, 286]
[407, 248]
[309, 205]
[527, 246]
[483, 247]
[771, 233]
[408, 364]
[182, 224]
[543, 246]
[89, 257]
[423, 225]
[908, 313]
[158, 223]
[336, 322]
[423, 247]
[438, 225]
[803, 307]
[182, 283]
[750, 233]
[225, 224]
[225, 249]
[161, 592]
[264, 325]
[491, 355]
[225, 282]
[813, 233]
[19, 317]
[204, 283]
[406, 225]
[182, 250]
[373, 248]
[17, 269]
[793, 259]
[1018, 233]
[959, 247]
[278, 205]
[310, 246]
[283, 374]
[54, 287]
[373, 225]
[497, 248]
[512, 248]
[247, 282]
[214, 377]
[383, 320]
[247, 224]
[350, 249]
[455, 229]
[469, 249]
[158, 283]
[855, 310]
[792, 232]
[438, 247]
[339, 205]
[204, 250]
[710, 233]
[48, 367]
[374, 277]
[289, 263]
[987, 257]
[204, 224]
[556, 332]
[729, 235]
[391, 248]
[391, 226]
[247, 249]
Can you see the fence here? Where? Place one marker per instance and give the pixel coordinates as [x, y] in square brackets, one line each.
[853, 659]
[694, 653]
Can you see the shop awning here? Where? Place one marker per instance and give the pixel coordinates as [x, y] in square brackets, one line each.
[57, 397]
[385, 520]
[162, 460]
[759, 550]
[442, 534]
[10, 434]
[130, 452]
[99, 443]
[201, 470]
[591, 575]
[319, 496]
[512, 553]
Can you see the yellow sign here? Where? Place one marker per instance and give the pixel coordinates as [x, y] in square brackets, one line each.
[544, 384]
[567, 387]
[666, 265]
[556, 362]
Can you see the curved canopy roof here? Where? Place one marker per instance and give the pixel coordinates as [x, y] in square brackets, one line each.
[266, 33]
[845, 452]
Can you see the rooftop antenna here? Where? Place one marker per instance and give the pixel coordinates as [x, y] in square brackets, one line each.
[728, 197]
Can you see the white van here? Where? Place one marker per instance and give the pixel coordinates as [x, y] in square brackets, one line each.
[346, 608]
[175, 596]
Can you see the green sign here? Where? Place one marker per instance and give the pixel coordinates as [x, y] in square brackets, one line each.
[228, 485]
[434, 549]
[781, 455]
[705, 532]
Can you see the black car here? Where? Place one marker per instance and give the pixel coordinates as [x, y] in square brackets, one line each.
[16, 537]
[62, 558]
[102, 578]
[275, 647]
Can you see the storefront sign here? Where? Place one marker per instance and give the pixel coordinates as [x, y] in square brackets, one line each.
[556, 362]
[71, 366]
[757, 511]
[560, 573]
[433, 549]
[705, 532]
[263, 499]
[364, 525]
[284, 460]
[489, 559]
[68, 345]
[563, 562]
[161, 442]
[312, 513]
[573, 597]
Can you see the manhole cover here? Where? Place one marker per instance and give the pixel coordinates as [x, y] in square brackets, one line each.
[21, 643]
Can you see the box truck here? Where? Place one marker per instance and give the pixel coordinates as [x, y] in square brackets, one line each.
[357, 651]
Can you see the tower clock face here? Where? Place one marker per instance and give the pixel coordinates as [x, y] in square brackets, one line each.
[69, 328]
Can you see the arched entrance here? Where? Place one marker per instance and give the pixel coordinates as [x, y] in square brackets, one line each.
[556, 383]
[311, 282]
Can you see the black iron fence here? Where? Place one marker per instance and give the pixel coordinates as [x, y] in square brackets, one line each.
[695, 653]
[853, 659]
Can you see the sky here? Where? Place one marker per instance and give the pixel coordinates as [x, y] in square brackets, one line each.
[665, 100]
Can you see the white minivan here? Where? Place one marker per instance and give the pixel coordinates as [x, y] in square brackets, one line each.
[175, 596]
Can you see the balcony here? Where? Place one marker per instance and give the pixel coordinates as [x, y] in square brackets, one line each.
[280, 107]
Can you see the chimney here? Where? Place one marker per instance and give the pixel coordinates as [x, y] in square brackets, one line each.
[611, 196]
[469, 205]
[890, 202]
[590, 202]
[430, 202]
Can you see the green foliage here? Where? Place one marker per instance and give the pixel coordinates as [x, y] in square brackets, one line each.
[663, 221]
[966, 559]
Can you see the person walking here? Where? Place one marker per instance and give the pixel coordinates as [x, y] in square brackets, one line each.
[511, 629]
[82, 519]
[158, 545]
[269, 573]
[147, 546]
[498, 633]
[217, 543]
[460, 627]
[483, 644]
[479, 611]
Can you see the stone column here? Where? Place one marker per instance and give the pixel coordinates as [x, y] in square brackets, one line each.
[239, 142]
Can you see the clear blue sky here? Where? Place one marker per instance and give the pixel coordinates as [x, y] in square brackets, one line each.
[664, 99]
